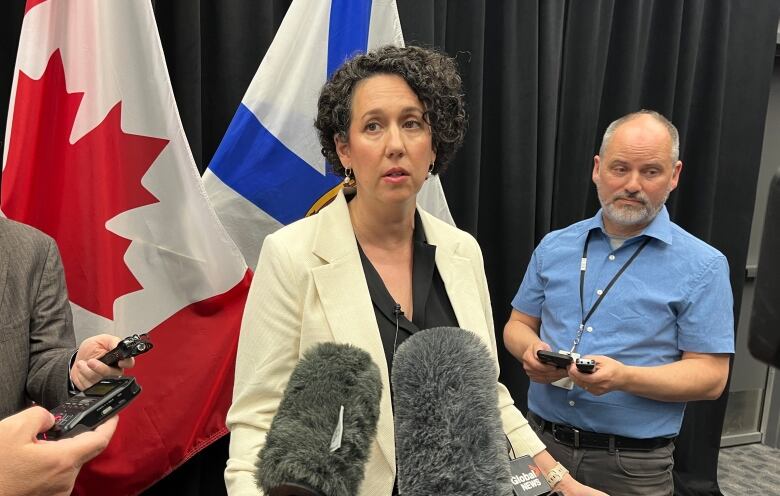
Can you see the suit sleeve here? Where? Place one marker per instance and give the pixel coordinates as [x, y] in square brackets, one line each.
[267, 353]
[52, 342]
[522, 437]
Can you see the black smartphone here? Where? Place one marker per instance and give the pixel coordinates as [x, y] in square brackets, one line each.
[560, 360]
[585, 365]
[91, 407]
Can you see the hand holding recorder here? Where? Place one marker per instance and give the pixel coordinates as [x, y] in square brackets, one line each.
[102, 399]
[29, 466]
[610, 375]
[88, 368]
[537, 370]
[563, 360]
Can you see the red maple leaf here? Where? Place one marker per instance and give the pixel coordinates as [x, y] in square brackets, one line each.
[69, 191]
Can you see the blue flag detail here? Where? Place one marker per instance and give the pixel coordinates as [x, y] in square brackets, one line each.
[259, 167]
[285, 187]
[347, 31]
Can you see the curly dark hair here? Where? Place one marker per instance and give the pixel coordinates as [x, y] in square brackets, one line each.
[432, 76]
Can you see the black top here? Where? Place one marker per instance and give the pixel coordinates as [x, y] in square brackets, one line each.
[432, 306]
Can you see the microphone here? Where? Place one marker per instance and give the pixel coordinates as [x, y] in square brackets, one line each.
[448, 430]
[320, 437]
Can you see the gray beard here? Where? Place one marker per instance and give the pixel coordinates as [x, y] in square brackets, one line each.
[631, 216]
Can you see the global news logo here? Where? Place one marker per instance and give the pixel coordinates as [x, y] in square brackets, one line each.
[527, 480]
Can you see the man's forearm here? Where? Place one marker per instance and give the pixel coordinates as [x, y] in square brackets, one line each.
[517, 337]
[696, 377]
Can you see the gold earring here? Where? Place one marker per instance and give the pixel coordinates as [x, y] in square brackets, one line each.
[349, 178]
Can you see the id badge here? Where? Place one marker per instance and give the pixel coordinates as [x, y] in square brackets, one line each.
[566, 382]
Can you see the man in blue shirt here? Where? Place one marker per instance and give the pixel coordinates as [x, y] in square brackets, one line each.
[647, 301]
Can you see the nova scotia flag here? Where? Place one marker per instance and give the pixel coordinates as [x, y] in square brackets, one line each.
[268, 171]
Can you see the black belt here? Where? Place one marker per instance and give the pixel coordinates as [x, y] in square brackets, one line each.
[576, 438]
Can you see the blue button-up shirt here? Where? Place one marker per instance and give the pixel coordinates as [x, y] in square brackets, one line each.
[674, 297]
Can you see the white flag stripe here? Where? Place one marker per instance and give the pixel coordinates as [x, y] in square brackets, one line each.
[284, 92]
[248, 223]
[385, 26]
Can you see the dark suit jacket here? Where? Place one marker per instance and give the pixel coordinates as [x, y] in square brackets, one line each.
[36, 327]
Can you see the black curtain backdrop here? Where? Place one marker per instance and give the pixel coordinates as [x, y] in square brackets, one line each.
[542, 81]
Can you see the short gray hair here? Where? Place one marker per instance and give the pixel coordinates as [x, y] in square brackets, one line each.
[633, 115]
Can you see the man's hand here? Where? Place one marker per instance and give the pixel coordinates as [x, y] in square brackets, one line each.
[521, 338]
[696, 376]
[609, 375]
[87, 369]
[537, 370]
[29, 466]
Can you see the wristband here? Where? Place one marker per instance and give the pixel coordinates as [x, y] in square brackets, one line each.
[556, 474]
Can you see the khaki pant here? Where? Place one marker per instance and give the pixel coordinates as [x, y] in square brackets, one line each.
[622, 473]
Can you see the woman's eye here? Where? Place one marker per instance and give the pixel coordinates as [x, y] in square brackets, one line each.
[412, 124]
[372, 126]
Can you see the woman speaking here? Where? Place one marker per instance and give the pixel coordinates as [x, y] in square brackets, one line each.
[371, 268]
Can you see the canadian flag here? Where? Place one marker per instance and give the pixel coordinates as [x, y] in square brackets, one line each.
[97, 158]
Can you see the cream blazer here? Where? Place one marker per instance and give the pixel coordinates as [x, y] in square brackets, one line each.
[309, 288]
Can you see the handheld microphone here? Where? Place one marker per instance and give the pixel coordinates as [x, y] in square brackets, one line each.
[321, 436]
[449, 435]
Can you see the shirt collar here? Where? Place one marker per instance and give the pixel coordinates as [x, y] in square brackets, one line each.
[418, 234]
[660, 228]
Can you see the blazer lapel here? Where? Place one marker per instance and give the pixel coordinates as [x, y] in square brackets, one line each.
[457, 272]
[343, 292]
